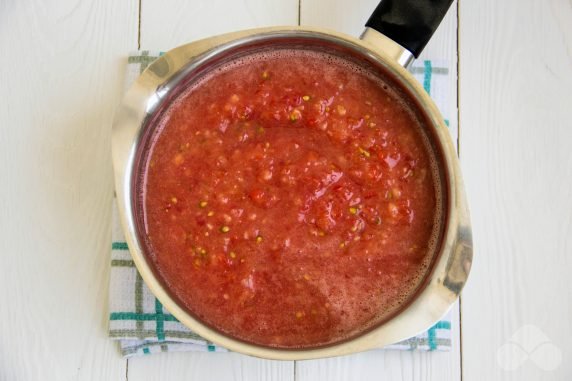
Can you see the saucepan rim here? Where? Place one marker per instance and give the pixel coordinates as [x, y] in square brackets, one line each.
[157, 83]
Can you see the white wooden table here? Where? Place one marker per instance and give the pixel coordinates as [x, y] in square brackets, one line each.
[61, 75]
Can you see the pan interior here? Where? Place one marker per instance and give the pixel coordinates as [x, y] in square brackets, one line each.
[200, 70]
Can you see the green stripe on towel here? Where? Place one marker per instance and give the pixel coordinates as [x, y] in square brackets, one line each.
[122, 263]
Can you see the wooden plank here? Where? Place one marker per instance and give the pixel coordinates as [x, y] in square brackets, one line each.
[408, 365]
[209, 366]
[164, 25]
[61, 79]
[350, 17]
[516, 110]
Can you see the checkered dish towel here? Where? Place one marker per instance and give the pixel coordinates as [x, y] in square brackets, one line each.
[140, 323]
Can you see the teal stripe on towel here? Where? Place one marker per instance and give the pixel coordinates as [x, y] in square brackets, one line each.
[119, 246]
[427, 76]
[160, 322]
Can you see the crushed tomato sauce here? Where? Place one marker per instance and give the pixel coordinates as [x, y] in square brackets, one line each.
[289, 200]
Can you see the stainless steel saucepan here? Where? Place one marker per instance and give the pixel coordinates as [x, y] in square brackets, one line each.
[396, 33]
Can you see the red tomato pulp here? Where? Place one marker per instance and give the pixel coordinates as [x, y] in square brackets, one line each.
[290, 200]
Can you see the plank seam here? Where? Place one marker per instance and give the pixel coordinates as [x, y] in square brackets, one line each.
[139, 27]
[459, 155]
[458, 80]
[295, 363]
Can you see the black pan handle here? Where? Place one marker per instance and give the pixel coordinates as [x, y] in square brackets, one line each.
[410, 23]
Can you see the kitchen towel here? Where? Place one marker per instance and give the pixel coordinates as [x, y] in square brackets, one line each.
[140, 323]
